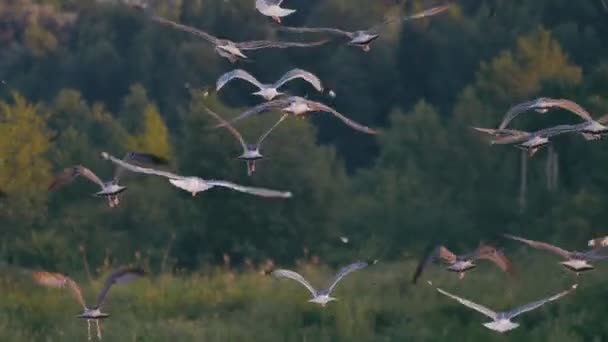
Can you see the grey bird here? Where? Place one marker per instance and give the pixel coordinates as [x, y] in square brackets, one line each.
[299, 107]
[321, 297]
[269, 91]
[195, 185]
[501, 321]
[529, 141]
[364, 38]
[251, 152]
[110, 189]
[273, 9]
[233, 51]
[574, 261]
[93, 313]
[465, 262]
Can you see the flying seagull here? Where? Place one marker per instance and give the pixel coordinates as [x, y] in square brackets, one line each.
[364, 38]
[273, 9]
[529, 141]
[269, 91]
[320, 296]
[93, 313]
[575, 261]
[251, 152]
[110, 189]
[233, 51]
[195, 185]
[593, 129]
[463, 263]
[299, 106]
[502, 320]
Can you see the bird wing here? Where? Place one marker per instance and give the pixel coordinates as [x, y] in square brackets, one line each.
[121, 276]
[344, 272]
[491, 253]
[541, 245]
[439, 252]
[352, 124]
[229, 127]
[69, 174]
[265, 135]
[479, 308]
[419, 15]
[237, 73]
[139, 169]
[166, 22]
[59, 281]
[303, 74]
[271, 44]
[535, 305]
[514, 137]
[329, 30]
[262, 107]
[271, 2]
[514, 111]
[603, 119]
[141, 157]
[570, 106]
[280, 273]
[262, 192]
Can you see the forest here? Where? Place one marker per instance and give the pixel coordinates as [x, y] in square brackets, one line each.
[80, 77]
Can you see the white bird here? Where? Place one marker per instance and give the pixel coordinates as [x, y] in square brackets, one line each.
[93, 313]
[195, 185]
[233, 51]
[251, 152]
[273, 9]
[574, 261]
[364, 38]
[502, 320]
[270, 91]
[110, 189]
[299, 106]
[320, 296]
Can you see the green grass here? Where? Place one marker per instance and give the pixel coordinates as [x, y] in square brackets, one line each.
[375, 304]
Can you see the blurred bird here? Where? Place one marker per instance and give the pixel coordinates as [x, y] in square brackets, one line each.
[270, 91]
[110, 189]
[463, 263]
[299, 106]
[321, 297]
[251, 152]
[195, 185]
[598, 242]
[364, 38]
[271, 8]
[233, 51]
[93, 313]
[502, 320]
[575, 261]
[591, 130]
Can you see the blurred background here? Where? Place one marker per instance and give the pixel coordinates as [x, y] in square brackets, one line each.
[82, 76]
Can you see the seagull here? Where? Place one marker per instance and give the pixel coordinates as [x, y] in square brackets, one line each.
[575, 261]
[364, 38]
[529, 141]
[94, 313]
[251, 152]
[271, 8]
[299, 106]
[195, 185]
[320, 296]
[464, 263]
[269, 91]
[233, 51]
[502, 320]
[110, 189]
[591, 129]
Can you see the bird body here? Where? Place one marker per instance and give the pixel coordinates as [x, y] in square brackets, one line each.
[93, 314]
[193, 185]
[111, 189]
[462, 266]
[273, 9]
